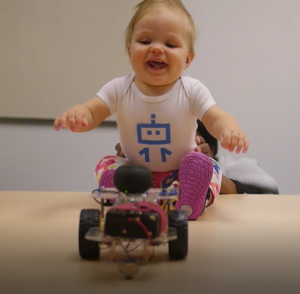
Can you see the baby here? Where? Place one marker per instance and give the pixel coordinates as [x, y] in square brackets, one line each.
[157, 108]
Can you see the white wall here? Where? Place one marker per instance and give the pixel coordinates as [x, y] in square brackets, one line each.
[247, 55]
[34, 157]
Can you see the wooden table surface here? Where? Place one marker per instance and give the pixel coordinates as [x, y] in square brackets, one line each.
[241, 244]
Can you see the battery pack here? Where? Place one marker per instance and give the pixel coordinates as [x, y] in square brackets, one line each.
[132, 220]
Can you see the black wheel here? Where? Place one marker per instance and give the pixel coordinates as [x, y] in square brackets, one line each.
[88, 218]
[132, 179]
[178, 219]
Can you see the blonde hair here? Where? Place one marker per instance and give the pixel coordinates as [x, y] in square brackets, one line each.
[148, 5]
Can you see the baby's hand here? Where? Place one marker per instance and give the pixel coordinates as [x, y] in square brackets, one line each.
[73, 118]
[202, 146]
[237, 140]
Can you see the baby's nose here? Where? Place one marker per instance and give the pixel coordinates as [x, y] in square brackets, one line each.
[157, 50]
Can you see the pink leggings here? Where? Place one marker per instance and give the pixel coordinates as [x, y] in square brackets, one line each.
[160, 179]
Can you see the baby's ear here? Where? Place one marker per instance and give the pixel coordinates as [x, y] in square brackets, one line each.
[188, 60]
[128, 50]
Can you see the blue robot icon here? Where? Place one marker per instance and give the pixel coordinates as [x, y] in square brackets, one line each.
[154, 134]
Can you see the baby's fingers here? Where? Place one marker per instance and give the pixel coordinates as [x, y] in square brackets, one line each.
[60, 121]
[225, 140]
[77, 119]
[243, 144]
[234, 141]
[56, 124]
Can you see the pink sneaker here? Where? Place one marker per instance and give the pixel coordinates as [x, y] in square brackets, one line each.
[195, 175]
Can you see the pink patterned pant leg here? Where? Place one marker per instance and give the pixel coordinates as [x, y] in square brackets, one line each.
[105, 169]
[215, 184]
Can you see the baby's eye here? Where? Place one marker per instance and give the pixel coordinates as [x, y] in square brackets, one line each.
[171, 45]
[145, 42]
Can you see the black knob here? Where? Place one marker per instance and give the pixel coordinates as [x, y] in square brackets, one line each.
[132, 179]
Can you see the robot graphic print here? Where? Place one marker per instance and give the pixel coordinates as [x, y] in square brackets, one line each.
[154, 134]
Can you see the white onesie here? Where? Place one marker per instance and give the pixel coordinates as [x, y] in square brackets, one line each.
[157, 132]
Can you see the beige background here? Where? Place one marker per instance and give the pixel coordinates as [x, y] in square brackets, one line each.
[58, 53]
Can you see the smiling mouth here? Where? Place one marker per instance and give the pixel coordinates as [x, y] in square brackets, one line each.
[157, 64]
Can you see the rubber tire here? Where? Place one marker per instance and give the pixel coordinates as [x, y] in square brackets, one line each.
[132, 179]
[88, 249]
[178, 219]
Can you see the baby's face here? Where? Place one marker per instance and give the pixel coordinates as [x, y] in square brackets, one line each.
[159, 50]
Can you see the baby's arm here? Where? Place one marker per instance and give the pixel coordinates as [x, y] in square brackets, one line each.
[226, 129]
[83, 117]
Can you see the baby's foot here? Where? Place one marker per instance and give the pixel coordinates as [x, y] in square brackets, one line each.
[195, 175]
